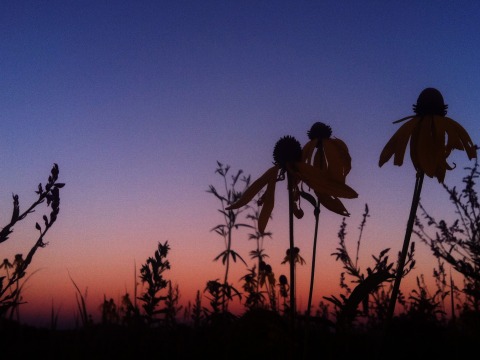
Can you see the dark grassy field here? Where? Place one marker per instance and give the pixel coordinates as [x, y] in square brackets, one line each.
[255, 335]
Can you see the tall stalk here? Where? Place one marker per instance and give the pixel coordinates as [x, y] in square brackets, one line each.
[316, 212]
[406, 242]
[225, 230]
[292, 249]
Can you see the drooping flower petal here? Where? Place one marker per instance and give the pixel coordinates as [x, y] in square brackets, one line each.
[453, 139]
[319, 160]
[441, 171]
[318, 180]
[426, 147]
[338, 158]
[333, 204]
[414, 147]
[458, 135]
[398, 143]
[255, 187]
[440, 150]
[268, 203]
[307, 151]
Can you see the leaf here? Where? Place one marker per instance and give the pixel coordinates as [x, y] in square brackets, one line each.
[220, 255]
[361, 291]
[234, 254]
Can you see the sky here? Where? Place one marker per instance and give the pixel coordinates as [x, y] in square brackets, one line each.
[136, 101]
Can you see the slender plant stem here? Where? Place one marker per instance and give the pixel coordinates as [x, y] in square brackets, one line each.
[406, 242]
[292, 247]
[135, 284]
[227, 269]
[316, 212]
[314, 255]
[452, 297]
[258, 266]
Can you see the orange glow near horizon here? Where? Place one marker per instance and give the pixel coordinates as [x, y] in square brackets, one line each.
[52, 289]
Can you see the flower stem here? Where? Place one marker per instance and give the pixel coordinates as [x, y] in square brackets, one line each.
[316, 212]
[314, 254]
[227, 269]
[406, 242]
[292, 247]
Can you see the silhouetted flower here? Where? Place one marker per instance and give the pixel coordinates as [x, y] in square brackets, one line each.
[265, 273]
[295, 257]
[432, 138]
[6, 264]
[331, 157]
[18, 261]
[283, 280]
[426, 131]
[283, 284]
[287, 156]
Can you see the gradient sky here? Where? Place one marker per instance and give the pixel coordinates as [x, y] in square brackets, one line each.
[136, 101]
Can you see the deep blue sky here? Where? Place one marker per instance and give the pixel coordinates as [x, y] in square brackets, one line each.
[137, 100]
